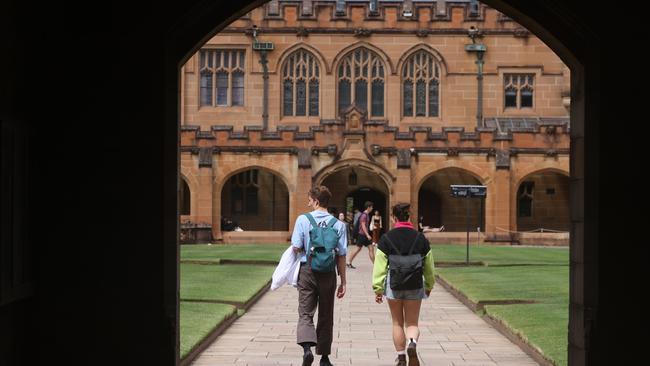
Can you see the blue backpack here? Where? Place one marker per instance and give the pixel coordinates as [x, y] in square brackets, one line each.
[323, 245]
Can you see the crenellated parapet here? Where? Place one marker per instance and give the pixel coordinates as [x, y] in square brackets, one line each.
[501, 140]
[364, 18]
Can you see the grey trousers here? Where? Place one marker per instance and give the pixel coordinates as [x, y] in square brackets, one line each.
[316, 289]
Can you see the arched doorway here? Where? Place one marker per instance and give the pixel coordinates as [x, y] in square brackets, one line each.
[438, 207]
[543, 202]
[352, 187]
[254, 200]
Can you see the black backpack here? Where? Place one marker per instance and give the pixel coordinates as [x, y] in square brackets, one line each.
[406, 271]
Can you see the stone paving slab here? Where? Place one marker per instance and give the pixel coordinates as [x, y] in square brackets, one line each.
[451, 334]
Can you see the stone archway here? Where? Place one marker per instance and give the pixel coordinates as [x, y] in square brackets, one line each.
[565, 36]
[542, 202]
[254, 199]
[437, 207]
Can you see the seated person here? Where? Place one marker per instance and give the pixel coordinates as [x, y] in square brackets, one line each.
[428, 229]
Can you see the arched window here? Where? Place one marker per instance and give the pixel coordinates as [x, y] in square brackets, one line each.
[300, 82]
[222, 70]
[361, 80]
[421, 86]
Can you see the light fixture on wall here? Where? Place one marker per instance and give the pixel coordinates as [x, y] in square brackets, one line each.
[352, 178]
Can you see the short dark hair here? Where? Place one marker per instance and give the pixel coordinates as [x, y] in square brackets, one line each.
[321, 194]
[401, 211]
[368, 204]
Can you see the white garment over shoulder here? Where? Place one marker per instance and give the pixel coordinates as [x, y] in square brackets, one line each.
[287, 270]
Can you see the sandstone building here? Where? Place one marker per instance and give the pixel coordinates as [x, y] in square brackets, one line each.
[385, 101]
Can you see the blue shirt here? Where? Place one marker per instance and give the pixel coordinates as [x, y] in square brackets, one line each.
[300, 236]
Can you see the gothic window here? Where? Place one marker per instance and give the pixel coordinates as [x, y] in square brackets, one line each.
[300, 78]
[222, 77]
[420, 86]
[361, 81]
[525, 199]
[519, 90]
[244, 192]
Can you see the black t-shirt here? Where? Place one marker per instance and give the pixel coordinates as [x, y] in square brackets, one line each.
[403, 238]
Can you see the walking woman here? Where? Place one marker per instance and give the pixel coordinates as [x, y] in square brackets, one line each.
[375, 227]
[413, 279]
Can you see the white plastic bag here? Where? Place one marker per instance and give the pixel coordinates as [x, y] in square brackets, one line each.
[287, 270]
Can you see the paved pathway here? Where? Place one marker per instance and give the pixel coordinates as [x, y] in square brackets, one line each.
[451, 334]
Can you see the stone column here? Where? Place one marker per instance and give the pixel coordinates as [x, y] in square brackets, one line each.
[497, 205]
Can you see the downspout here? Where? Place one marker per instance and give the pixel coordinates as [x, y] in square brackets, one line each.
[479, 78]
[265, 100]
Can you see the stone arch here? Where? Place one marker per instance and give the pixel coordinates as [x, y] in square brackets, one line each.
[568, 35]
[442, 209]
[345, 51]
[296, 47]
[382, 172]
[185, 196]
[424, 47]
[251, 221]
[519, 224]
[482, 177]
[193, 184]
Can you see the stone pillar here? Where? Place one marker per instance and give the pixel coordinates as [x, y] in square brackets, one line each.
[497, 205]
[204, 197]
[401, 188]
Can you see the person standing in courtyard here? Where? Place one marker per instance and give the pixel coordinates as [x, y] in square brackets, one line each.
[376, 227]
[322, 241]
[363, 236]
[403, 273]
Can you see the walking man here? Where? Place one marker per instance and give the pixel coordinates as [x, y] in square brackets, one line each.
[363, 235]
[317, 281]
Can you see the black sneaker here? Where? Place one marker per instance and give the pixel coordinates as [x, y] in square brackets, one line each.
[400, 360]
[325, 361]
[351, 266]
[411, 350]
[307, 358]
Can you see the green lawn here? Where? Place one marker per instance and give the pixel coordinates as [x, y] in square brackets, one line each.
[204, 252]
[514, 273]
[223, 282]
[198, 320]
[502, 255]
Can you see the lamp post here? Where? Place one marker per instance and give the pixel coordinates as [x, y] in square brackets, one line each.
[480, 49]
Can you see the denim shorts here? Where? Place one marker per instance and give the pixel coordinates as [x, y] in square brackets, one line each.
[417, 294]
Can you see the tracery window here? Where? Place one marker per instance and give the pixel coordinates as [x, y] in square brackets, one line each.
[300, 84]
[222, 77]
[361, 81]
[421, 86]
[518, 90]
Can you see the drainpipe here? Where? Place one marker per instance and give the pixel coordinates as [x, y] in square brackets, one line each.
[265, 100]
[480, 49]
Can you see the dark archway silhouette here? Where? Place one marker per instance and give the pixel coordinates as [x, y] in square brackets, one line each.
[127, 295]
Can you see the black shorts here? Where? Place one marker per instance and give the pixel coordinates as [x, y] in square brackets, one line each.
[363, 241]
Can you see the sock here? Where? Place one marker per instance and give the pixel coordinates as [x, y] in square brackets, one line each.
[399, 353]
